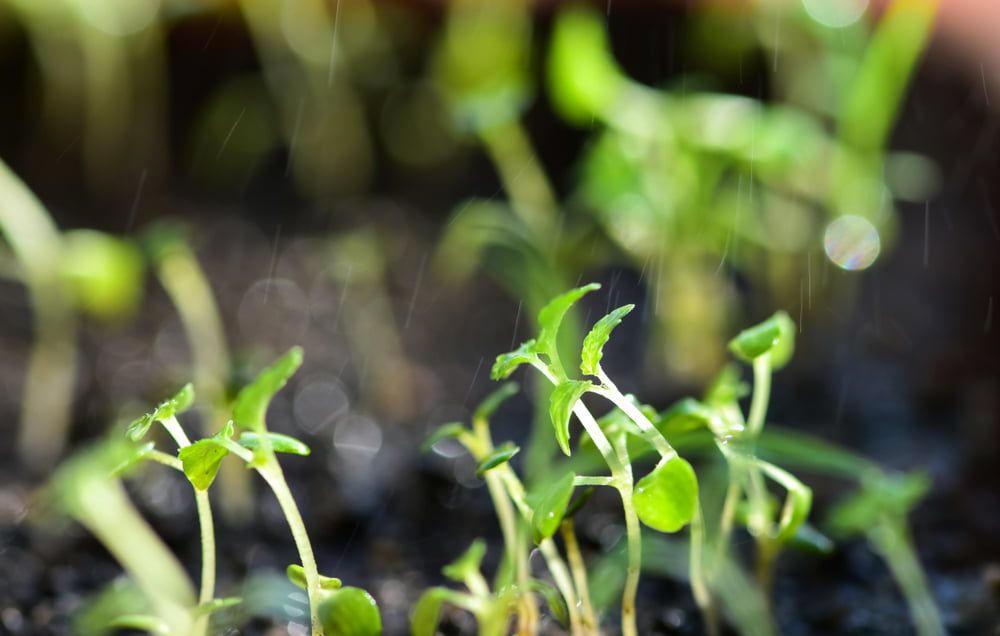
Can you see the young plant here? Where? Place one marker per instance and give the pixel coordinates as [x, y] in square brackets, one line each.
[666, 499]
[517, 513]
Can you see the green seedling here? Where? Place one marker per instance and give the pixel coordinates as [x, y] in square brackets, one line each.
[666, 498]
[516, 516]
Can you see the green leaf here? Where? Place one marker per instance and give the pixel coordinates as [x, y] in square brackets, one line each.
[808, 539]
[177, 404]
[201, 461]
[685, 415]
[488, 407]
[593, 344]
[507, 363]
[451, 430]
[561, 403]
[551, 508]
[252, 402]
[427, 612]
[583, 78]
[103, 273]
[550, 318]
[727, 387]
[555, 600]
[297, 575]
[501, 455]
[798, 501]
[776, 336]
[666, 498]
[350, 611]
[279, 443]
[137, 455]
[141, 622]
[216, 604]
[460, 569]
[890, 496]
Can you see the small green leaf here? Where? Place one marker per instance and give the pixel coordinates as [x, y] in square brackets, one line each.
[216, 604]
[488, 407]
[466, 564]
[666, 498]
[506, 363]
[555, 600]
[593, 344]
[890, 496]
[451, 430]
[727, 387]
[279, 443]
[561, 403]
[776, 336]
[141, 622]
[550, 318]
[103, 273]
[252, 402]
[583, 78]
[685, 415]
[501, 455]
[137, 455]
[177, 404]
[201, 461]
[297, 575]
[808, 539]
[350, 611]
[427, 612]
[551, 508]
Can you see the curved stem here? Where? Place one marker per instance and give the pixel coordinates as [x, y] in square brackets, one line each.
[275, 478]
[761, 394]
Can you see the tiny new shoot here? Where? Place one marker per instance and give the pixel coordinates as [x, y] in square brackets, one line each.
[515, 514]
[667, 498]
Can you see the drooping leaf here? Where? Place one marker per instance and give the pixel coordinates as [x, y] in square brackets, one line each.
[445, 431]
[252, 402]
[666, 498]
[350, 611]
[177, 404]
[507, 363]
[427, 612]
[555, 600]
[551, 507]
[583, 78]
[215, 605]
[776, 336]
[593, 344]
[201, 461]
[297, 575]
[550, 319]
[501, 455]
[488, 407]
[279, 443]
[467, 564]
[561, 403]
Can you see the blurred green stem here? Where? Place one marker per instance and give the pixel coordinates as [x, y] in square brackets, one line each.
[891, 539]
[48, 387]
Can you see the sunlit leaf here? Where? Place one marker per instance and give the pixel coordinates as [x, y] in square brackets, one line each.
[493, 401]
[501, 455]
[466, 564]
[593, 344]
[350, 611]
[177, 404]
[201, 461]
[252, 402]
[551, 507]
[506, 363]
[584, 79]
[297, 575]
[666, 498]
[776, 336]
[279, 443]
[561, 403]
[550, 319]
[451, 430]
[427, 612]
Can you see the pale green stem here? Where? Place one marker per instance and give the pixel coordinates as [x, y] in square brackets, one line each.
[890, 538]
[579, 570]
[761, 394]
[48, 386]
[275, 478]
[593, 481]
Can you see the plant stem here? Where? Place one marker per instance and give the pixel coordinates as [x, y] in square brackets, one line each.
[891, 539]
[699, 586]
[275, 478]
[761, 395]
[579, 570]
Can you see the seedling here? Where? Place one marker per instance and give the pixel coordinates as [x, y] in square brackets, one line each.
[666, 499]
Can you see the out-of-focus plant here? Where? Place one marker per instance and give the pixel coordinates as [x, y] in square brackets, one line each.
[67, 274]
[89, 489]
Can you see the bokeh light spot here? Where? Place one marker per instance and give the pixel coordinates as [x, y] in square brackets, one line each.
[835, 13]
[851, 242]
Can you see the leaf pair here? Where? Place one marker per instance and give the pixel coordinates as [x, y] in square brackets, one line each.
[179, 403]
